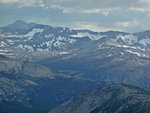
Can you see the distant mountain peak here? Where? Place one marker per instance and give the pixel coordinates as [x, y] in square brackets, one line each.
[18, 26]
[19, 22]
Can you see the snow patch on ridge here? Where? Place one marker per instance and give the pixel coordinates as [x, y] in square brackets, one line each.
[91, 36]
[129, 39]
[145, 41]
[62, 53]
[133, 52]
[137, 53]
[31, 33]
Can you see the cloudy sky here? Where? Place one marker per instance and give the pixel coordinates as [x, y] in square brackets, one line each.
[96, 15]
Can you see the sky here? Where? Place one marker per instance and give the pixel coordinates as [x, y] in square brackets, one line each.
[96, 15]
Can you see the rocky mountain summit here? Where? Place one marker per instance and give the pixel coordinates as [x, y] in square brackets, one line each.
[108, 99]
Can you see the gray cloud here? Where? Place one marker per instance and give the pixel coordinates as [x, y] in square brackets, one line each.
[85, 6]
[92, 6]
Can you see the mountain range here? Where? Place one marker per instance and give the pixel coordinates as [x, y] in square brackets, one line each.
[26, 87]
[32, 37]
[42, 66]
